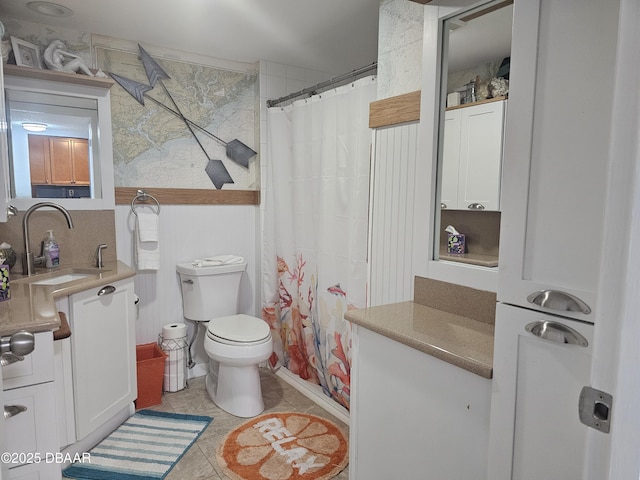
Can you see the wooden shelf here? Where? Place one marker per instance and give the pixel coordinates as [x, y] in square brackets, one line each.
[186, 196]
[54, 76]
[395, 110]
[488, 100]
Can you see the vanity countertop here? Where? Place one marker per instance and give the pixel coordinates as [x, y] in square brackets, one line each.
[33, 307]
[461, 341]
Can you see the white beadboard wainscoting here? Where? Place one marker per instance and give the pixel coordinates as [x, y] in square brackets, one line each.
[188, 232]
[392, 214]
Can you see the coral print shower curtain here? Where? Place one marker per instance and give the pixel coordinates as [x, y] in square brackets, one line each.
[315, 231]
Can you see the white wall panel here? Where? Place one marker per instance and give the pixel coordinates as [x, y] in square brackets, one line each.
[392, 214]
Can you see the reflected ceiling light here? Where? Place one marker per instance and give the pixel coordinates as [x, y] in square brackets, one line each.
[34, 127]
[50, 9]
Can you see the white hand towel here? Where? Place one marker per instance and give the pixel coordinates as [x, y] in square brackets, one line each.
[147, 253]
[218, 260]
[147, 226]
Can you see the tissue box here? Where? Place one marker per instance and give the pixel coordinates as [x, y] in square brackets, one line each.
[5, 293]
[455, 244]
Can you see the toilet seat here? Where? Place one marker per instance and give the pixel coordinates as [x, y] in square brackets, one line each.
[238, 329]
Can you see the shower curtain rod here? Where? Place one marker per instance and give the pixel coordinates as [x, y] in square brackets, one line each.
[322, 86]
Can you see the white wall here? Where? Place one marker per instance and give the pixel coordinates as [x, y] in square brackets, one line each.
[399, 47]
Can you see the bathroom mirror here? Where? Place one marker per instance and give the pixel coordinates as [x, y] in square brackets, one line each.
[59, 139]
[476, 46]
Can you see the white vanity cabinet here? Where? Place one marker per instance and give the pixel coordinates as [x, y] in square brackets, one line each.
[30, 429]
[414, 416]
[104, 353]
[472, 156]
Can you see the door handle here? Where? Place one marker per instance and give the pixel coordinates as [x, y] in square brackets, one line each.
[109, 289]
[13, 410]
[557, 300]
[557, 332]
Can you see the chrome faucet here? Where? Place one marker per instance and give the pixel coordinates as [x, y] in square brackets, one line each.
[99, 249]
[29, 260]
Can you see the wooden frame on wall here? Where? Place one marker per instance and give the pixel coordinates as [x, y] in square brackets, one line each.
[193, 196]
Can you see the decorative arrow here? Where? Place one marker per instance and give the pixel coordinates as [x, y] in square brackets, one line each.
[236, 150]
[215, 169]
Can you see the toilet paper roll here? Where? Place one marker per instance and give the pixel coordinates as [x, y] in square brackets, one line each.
[172, 331]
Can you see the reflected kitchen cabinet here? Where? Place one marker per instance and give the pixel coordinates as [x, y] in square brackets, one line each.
[58, 160]
[472, 156]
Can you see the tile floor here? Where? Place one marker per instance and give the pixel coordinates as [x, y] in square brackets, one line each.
[199, 463]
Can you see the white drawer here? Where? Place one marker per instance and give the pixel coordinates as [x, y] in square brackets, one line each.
[37, 367]
[33, 430]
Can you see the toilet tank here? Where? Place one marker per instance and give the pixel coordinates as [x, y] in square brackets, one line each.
[210, 292]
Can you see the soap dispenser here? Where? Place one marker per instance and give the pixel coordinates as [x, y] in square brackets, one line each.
[51, 251]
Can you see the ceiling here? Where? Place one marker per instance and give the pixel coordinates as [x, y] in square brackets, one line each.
[483, 39]
[334, 36]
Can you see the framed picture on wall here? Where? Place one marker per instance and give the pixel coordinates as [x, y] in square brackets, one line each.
[27, 54]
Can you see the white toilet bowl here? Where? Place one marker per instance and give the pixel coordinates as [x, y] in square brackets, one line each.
[236, 344]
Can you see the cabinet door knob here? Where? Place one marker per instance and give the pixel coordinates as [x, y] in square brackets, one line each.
[108, 290]
[556, 332]
[13, 410]
[475, 206]
[557, 300]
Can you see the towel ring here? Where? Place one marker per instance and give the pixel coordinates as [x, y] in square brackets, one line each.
[143, 197]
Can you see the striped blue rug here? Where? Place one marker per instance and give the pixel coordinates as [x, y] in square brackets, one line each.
[147, 445]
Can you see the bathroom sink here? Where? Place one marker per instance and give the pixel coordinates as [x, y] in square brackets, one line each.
[64, 278]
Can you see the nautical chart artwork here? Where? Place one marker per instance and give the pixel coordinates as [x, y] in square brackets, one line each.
[162, 98]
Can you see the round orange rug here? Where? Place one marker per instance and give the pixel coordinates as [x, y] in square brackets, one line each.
[284, 446]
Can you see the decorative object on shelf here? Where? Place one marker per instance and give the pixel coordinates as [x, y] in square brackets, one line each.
[6, 50]
[482, 89]
[6, 45]
[56, 57]
[27, 54]
[215, 169]
[498, 87]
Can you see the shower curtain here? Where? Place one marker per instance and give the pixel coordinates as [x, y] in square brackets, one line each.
[315, 222]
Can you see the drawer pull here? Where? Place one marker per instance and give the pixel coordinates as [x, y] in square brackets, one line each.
[8, 358]
[556, 332]
[476, 206]
[108, 290]
[188, 281]
[561, 301]
[13, 410]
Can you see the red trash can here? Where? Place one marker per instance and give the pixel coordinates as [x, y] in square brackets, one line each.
[150, 361]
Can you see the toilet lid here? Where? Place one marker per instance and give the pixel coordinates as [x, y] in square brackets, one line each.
[238, 328]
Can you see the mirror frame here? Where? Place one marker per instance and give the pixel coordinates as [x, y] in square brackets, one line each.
[62, 84]
[432, 118]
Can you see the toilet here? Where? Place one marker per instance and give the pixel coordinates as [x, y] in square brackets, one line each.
[235, 343]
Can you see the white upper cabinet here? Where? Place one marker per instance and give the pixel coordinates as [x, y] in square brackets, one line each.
[472, 156]
[555, 158]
